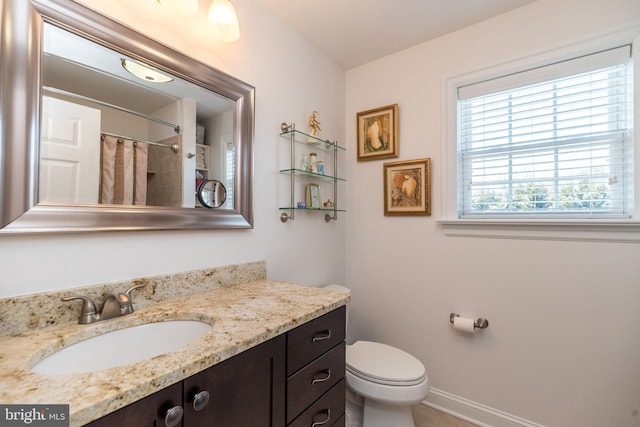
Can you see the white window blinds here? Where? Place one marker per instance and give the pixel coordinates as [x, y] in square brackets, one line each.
[551, 141]
[230, 174]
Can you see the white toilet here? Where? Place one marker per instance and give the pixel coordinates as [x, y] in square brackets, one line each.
[382, 383]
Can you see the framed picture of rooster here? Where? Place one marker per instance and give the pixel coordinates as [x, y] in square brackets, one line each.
[407, 187]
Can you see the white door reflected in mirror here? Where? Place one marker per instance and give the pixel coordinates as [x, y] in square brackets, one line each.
[70, 152]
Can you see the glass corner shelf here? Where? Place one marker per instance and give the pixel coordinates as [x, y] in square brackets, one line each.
[311, 141]
[297, 138]
[313, 174]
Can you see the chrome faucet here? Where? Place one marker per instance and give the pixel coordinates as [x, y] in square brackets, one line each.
[115, 305]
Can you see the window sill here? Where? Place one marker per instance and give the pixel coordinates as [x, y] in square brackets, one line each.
[587, 230]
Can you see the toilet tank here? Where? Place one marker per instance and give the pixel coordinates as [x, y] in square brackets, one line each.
[338, 288]
[344, 290]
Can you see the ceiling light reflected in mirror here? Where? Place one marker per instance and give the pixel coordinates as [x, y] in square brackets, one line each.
[144, 72]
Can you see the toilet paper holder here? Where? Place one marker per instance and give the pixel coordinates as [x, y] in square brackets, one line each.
[480, 323]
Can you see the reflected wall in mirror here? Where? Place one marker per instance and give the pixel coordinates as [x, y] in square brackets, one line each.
[115, 151]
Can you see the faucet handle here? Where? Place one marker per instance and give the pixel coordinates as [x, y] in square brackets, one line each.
[128, 291]
[126, 303]
[88, 314]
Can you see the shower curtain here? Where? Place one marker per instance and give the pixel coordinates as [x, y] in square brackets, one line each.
[123, 179]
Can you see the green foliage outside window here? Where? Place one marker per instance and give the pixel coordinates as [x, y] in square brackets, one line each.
[531, 196]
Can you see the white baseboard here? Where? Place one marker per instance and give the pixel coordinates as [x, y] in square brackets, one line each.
[473, 412]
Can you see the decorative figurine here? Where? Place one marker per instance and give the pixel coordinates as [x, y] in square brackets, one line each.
[314, 123]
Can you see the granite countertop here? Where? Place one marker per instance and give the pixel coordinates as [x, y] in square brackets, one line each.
[243, 316]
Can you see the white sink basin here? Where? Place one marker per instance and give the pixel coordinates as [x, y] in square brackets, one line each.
[122, 347]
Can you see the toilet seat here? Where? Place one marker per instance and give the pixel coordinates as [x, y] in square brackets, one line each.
[383, 364]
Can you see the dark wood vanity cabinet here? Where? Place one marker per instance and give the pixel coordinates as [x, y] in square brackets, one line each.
[295, 380]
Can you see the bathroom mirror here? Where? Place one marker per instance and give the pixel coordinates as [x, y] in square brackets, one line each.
[202, 121]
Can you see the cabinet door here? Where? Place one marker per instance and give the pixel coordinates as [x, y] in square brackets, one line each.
[147, 412]
[245, 390]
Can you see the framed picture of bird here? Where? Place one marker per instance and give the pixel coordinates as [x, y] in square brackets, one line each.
[378, 133]
[407, 187]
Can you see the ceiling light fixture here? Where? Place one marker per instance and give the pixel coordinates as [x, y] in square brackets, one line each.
[183, 7]
[144, 72]
[224, 21]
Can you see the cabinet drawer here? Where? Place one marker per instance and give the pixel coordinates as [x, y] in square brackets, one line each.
[306, 342]
[326, 410]
[311, 382]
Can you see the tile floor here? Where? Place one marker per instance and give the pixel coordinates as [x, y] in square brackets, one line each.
[425, 416]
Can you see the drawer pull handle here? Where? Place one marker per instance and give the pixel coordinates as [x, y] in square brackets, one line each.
[325, 336]
[323, 379]
[319, 423]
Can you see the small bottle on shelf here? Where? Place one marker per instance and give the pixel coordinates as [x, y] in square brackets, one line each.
[313, 162]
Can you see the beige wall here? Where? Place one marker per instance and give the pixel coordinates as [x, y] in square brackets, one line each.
[562, 348]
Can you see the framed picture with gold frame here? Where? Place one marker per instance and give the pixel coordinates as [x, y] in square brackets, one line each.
[378, 133]
[313, 196]
[407, 187]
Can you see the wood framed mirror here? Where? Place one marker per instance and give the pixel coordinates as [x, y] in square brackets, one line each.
[28, 65]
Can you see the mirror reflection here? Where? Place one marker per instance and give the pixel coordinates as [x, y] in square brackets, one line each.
[117, 132]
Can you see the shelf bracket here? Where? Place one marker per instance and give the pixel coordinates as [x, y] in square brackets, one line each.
[284, 217]
[329, 217]
[291, 215]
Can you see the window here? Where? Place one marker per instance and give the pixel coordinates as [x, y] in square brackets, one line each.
[230, 170]
[550, 142]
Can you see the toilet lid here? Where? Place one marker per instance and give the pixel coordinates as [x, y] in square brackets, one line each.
[383, 364]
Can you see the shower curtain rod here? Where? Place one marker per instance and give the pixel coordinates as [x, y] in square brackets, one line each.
[174, 147]
[176, 128]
